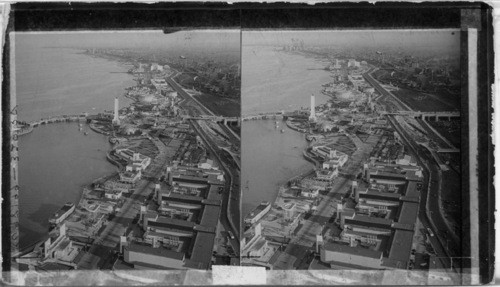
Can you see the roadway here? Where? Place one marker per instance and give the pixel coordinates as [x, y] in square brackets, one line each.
[303, 242]
[434, 220]
[195, 108]
[99, 254]
[430, 213]
[170, 80]
[368, 77]
[448, 244]
[230, 185]
[234, 138]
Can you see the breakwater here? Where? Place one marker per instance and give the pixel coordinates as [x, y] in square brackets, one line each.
[295, 128]
[310, 158]
[98, 130]
[26, 128]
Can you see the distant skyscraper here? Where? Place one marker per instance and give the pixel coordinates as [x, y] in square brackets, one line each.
[312, 115]
[116, 120]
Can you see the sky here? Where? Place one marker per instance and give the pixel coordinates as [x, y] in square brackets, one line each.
[229, 40]
[406, 39]
[153, 39]
[217, 45]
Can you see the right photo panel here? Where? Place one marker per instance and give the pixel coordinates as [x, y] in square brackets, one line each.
[350, 150]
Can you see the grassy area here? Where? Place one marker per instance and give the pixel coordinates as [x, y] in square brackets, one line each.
[145, 147]
[380, 74]
[236, 129]
[220, 106]
[422, 102]
[362, 136]
[432, 135]
[453, 160]
[447, 95]
[449, 129]
[385, 75]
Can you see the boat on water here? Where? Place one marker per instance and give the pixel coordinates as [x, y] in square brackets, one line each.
[259, 212]
[85, 133]
[61, 214]
[282, 131]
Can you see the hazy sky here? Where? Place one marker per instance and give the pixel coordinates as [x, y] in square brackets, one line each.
[230, 39]
[410, 39]
[226, 39]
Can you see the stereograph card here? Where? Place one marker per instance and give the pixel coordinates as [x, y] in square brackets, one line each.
[243, 144]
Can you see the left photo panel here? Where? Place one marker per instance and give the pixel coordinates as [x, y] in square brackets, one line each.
[125, 149]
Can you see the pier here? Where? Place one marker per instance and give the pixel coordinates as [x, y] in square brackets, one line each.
[26, 128]
[280, 115]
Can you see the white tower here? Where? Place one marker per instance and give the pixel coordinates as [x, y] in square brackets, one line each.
[355, 191]
[116, 120]
[312, 115]
[319, 242]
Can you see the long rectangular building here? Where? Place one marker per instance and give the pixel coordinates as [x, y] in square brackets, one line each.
[379, 233]
[194, 237]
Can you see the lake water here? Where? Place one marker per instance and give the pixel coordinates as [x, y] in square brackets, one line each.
[55, 81]
[269, 158]
[273, 81]
[56, 160]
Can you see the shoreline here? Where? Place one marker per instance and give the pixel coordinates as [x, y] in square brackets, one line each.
[99, 131]
[332, 96]
[287, 122]
[282, 185]
[251, 109]
[106, 151]
[279, 185]
[78, 195]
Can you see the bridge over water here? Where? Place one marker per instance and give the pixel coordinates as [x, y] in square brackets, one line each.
[270, 115]
[27, 127]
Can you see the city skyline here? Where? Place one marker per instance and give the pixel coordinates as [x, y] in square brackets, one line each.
[440, 39]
